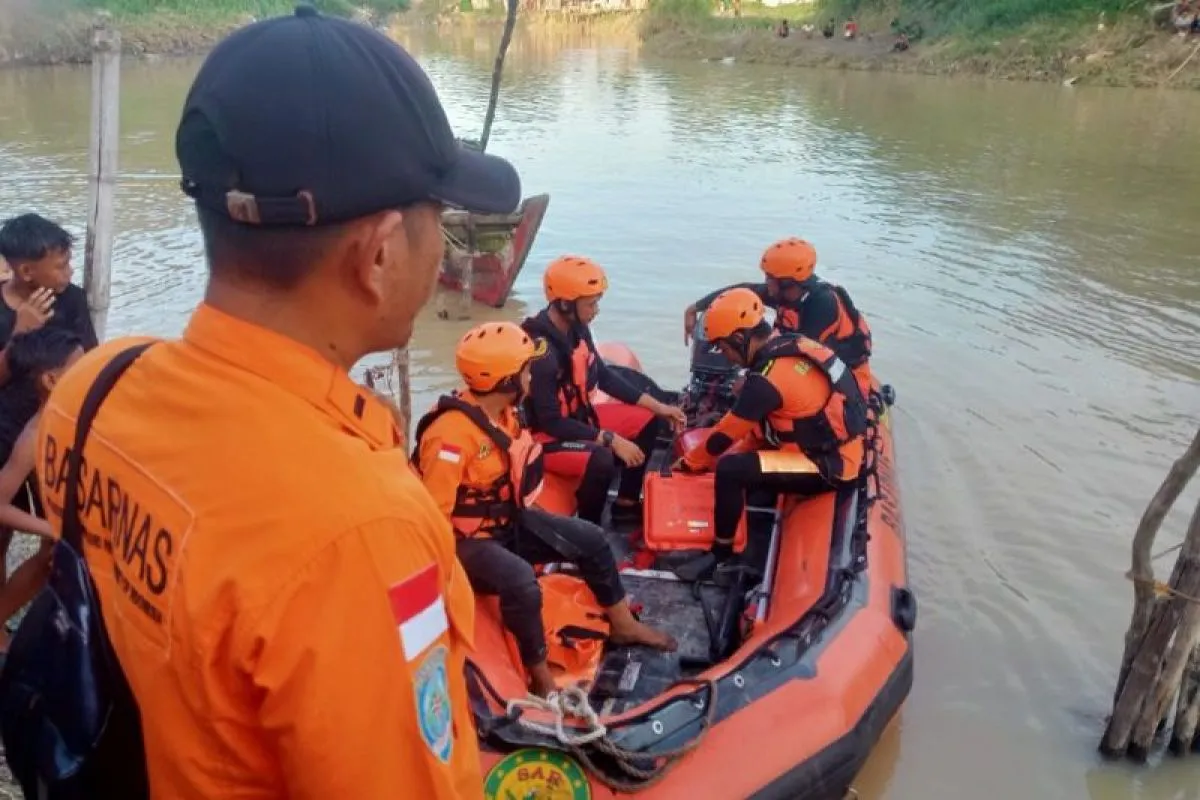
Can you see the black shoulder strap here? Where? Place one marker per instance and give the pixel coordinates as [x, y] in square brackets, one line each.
[72, 527]
[844, 297]
[449, 402]
[781, 346]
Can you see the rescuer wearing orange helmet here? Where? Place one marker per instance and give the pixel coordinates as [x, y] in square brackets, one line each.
[484, 470]
[805, 305]
[580, 439]
[799, 397]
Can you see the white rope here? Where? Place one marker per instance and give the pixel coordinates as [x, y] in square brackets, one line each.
[569, 702]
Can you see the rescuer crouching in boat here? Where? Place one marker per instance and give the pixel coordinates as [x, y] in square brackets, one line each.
[805, 305]
[582, 441]
[799, 398]
[484, 470]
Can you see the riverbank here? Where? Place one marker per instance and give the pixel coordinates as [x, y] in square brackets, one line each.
[1128, 50]
[45, 32]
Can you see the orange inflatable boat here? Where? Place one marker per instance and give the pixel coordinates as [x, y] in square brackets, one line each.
[788, 669]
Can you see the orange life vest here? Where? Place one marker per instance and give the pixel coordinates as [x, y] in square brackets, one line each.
[820, 435]
[579, 368]
[575, 391]
[485, 510]
[849, 336]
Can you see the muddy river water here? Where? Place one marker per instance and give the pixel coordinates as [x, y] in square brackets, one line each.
[1027, 256]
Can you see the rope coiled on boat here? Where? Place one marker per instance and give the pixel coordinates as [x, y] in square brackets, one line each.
[572, 702]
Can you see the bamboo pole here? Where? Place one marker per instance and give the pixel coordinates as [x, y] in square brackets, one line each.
[1163, 634]
[466, 297]
[102, 175]
[510, 22]
[400, 367]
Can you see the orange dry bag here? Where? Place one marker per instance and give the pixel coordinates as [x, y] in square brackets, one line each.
[576, 629]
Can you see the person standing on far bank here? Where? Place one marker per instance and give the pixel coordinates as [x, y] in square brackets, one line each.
[289, 614]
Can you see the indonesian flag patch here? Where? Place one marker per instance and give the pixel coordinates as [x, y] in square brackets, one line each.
[450, 453]
[419, 611]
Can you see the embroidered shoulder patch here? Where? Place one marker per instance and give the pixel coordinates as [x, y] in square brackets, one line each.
[434, 715]
[540, 347]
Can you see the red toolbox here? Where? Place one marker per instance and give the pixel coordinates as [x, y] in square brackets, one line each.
[679, 513]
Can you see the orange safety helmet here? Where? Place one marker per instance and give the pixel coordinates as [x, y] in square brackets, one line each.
[734, 310]
[790, 259]
[490, 353]
[572, 277]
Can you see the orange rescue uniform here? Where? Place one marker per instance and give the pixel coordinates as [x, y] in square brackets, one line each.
[467, 471]
[812, 406]
[281, 591]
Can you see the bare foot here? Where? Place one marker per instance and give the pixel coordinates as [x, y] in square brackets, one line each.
[641, 633]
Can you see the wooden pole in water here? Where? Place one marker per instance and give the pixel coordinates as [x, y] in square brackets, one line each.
[1164, 633]
[510, 22]
[400, 365]
[102, 177]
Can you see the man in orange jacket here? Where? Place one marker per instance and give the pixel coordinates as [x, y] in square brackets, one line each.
[798, 396]
[279, 588]
[805, 305]
[583, 441]
[484, 470]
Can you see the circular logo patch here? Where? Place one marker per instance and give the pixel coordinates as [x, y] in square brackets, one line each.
[433, 704]
[534, 774]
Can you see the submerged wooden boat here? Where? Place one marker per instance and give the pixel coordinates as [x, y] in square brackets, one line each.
[487, 251]
[782, 695]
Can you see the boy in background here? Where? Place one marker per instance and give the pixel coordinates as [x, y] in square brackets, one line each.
[37, 360]
[39, 291]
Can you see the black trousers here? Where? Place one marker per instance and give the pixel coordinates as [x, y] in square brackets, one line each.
[738, 472]
[601, 467]
[503, 566]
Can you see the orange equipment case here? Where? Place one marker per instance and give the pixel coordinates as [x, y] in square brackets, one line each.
[679, 513]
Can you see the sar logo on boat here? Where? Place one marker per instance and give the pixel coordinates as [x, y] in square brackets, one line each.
[543, 774]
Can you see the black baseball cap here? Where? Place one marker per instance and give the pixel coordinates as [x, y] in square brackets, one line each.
[310, 120]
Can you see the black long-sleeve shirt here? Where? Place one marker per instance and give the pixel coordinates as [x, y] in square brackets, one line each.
[551, 369]
[19, 399]
[815, 312]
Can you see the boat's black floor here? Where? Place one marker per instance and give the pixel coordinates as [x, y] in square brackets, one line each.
[630, 676]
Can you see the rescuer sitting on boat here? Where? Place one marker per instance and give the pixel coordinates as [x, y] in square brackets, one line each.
[580, 440]
[806, 305]
[484, 470]
[799, 401]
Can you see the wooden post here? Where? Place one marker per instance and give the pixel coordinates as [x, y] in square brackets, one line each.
[400, 366]
[102, 177]
[467, 297]
[1187, 709]
[1141, 570]
[510, 22]
[1164, 633]
[395, 389]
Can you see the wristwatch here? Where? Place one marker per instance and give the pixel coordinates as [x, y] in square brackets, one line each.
[606, 438]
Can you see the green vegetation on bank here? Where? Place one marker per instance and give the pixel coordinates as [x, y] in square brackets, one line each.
[980, 17]
[1111, 42]
[57, 31]
[233, 8]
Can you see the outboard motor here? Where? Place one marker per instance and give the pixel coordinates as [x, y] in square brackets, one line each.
[709, 393]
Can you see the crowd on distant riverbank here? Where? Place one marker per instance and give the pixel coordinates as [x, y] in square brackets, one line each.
[1186, 17]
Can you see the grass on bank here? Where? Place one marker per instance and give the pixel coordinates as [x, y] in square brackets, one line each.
[213, 9]
[257, 8]
[926, 18]
[1107, 41]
